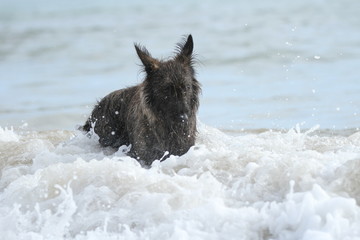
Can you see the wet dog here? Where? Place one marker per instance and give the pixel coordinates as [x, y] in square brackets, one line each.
[157, 117]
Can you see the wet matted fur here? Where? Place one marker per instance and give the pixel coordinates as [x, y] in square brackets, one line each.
[158, 116]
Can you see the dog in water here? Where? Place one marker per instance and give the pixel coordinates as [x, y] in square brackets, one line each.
[157, 117]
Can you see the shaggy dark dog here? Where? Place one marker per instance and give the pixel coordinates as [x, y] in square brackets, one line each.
[158, 116]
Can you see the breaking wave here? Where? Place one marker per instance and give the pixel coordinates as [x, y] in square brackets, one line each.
[266, 185]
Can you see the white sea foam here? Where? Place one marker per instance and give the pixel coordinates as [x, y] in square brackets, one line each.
[8, 135]
[269, 185]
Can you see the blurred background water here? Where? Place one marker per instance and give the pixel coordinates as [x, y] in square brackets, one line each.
[262, 64]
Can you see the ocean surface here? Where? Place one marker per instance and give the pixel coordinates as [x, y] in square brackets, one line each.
[278, 150]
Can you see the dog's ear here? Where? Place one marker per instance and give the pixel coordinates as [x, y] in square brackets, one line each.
[149, 63]
[188, 47]
[185, 50]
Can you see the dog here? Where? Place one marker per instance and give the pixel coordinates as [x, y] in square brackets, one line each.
[158, 116]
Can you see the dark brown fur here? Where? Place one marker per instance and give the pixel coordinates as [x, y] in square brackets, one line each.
[157, 116]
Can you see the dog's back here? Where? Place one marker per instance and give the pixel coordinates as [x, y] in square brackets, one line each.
[108, 118]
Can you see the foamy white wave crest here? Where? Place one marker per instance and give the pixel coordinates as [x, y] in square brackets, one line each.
[270, 185]
[8, 135]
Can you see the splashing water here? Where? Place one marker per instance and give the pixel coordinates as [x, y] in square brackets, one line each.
[268, 185]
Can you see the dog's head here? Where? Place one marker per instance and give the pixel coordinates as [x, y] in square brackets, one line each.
[170, 87]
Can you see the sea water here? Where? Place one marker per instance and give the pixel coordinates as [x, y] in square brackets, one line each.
[268, 185]
[278, 146]
[261, 64]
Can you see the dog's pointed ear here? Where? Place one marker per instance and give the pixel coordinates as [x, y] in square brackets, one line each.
[185, 50]
[188, 47]
[149, 62]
